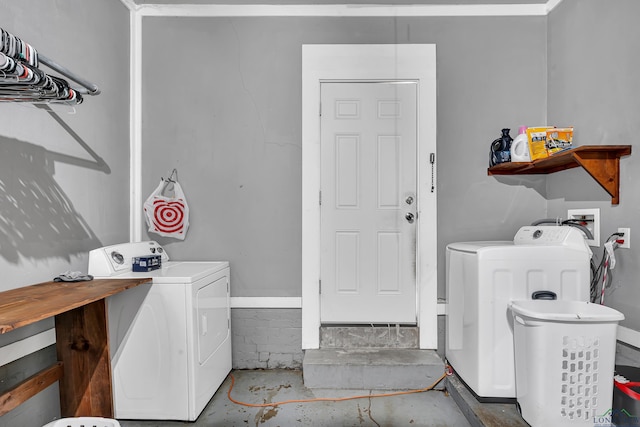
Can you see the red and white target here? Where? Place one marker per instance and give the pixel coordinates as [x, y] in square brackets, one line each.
[168, 217]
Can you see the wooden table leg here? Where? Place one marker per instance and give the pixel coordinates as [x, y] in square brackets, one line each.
[82, 341]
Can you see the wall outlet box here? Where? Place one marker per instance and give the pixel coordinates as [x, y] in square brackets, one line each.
[626, 237]
[589, 218]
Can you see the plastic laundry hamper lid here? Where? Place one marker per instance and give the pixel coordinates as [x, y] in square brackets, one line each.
[84, 422]
[565, 311]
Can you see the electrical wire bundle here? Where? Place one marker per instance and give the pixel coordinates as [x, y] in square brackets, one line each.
[601, 272]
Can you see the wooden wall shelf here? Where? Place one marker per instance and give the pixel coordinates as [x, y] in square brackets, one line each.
[602, 162]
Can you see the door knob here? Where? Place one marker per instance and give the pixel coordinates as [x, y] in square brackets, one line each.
[409, 200]
[409, 217]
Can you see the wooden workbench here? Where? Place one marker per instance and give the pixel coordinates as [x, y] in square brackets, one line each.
[82, 342]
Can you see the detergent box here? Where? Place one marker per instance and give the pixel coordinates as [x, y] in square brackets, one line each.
[146, 263]
[559, 139]
[538, 142]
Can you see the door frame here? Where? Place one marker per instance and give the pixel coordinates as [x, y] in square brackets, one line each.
[391, 62]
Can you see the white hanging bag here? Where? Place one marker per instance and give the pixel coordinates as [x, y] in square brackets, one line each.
[167, 216]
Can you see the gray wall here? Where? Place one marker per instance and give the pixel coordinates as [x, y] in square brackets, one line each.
[222, 104]
[56, 201]
[594, 86]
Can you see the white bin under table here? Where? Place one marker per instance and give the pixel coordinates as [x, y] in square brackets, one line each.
[564, 359]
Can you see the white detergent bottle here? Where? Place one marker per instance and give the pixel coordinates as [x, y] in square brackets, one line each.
[520, 146]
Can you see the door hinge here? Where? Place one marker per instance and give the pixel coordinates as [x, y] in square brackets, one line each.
[320, 110]
[320, 197]
[319, 286]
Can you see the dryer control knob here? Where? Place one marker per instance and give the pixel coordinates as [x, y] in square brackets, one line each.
[117, 257]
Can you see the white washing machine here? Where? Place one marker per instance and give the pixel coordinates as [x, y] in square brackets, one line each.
[483, 277]
[170, 341]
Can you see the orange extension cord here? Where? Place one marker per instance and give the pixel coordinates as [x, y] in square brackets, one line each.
[329, 399]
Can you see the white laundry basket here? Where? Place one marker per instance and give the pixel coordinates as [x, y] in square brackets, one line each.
[564, 359]
[84, 422]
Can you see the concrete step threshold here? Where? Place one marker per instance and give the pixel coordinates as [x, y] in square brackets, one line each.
[387, 357]
[400, 369]
[374, 336]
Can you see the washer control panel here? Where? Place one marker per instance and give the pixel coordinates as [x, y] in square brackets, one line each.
[550, 235]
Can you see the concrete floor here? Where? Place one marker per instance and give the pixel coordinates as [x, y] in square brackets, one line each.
[431, 408]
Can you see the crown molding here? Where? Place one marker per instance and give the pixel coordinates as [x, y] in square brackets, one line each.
[343, 10]
[130, 4]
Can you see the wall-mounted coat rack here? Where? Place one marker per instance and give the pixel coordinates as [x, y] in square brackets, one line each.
[21, 79]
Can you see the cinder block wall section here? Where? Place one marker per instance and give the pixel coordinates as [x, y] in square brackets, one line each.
[266, 338]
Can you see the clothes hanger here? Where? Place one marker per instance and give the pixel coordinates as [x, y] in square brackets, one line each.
[20, 62]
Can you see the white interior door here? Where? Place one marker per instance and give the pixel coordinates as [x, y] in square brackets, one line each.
[368, 137]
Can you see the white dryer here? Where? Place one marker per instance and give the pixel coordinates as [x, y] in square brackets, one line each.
[170, 341]
[484, 277]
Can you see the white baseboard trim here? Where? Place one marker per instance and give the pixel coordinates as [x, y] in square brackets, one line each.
[266, 302]
[288, 302]
[24, 347]
[629, 336]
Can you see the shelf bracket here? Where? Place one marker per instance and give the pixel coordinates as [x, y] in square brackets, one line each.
[605, 169]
